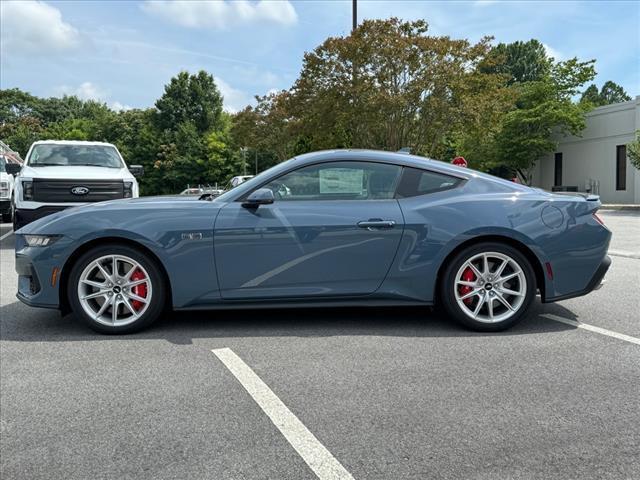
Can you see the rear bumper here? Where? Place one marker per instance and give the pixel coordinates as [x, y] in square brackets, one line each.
[596, 282]
[26, 216]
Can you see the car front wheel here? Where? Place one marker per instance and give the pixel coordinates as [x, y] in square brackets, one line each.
[116, 289]
[488, 287]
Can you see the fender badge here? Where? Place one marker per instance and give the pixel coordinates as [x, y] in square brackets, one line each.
[192, 236]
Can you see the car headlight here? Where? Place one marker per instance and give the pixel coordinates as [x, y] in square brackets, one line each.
[128, 189]
[40, 240]
[27, 191]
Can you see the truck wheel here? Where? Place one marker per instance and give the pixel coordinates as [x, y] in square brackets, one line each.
[8, 217]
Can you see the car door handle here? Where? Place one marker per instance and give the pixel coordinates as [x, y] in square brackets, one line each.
[374, 224]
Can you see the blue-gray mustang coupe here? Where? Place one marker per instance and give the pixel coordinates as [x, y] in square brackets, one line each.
[329, 228]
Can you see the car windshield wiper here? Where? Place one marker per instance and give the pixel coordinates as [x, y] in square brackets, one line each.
[47, 165]
[91, 165]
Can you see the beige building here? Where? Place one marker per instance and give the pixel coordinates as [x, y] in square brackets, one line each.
[597, 160]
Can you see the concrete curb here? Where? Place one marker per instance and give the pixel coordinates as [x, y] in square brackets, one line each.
[622, 253]
[616, 206]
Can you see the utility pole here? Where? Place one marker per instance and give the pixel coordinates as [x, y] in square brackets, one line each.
[355, 14]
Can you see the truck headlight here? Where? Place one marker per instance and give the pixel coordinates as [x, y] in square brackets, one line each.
[40, 240]
[27, 191]
[128, 189]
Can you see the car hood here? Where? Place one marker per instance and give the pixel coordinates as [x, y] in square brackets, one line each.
[76, 173]
[125, 209]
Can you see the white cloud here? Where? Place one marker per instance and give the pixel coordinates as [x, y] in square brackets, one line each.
[85, 91]
[221, 15]
[552, 52]
[35, 27]
[119, 107]
[234, 99]
[91, 91]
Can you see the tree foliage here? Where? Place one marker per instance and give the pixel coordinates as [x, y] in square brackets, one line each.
[610, 93]
[390, 84]
[521, 61]
[185, 140]
[387, 86]
[633, 151]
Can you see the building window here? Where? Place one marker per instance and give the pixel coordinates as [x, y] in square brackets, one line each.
[557, 175]
[621, 167]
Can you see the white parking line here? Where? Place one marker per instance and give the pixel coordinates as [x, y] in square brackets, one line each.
[5, 235]
[591, 328]
[319, 459]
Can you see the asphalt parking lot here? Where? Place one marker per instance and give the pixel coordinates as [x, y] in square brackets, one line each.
[350, 393]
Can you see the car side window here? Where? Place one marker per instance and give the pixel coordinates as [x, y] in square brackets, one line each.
[338, 181]
[417, 182]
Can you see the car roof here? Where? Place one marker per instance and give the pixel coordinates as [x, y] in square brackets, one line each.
[381, 156]
[71, 142]
[398, 158]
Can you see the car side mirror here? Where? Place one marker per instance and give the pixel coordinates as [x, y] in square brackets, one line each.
[262, 196]
[136, 170]
[13, 168]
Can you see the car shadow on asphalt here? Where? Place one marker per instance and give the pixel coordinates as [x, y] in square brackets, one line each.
[19, 323]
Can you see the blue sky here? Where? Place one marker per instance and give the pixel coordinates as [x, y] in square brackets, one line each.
[123, 53]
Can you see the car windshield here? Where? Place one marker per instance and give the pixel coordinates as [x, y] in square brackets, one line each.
[47, 155]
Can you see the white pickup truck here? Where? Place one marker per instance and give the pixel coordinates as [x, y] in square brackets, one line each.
[60, 174]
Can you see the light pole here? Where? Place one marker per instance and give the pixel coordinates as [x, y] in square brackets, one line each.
[244, 160]
[355, 14]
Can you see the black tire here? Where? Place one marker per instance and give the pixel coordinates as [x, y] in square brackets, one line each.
[158, 300]
[448, 285]
[8, 217]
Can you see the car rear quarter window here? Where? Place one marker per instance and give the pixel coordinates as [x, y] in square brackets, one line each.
[415, 182]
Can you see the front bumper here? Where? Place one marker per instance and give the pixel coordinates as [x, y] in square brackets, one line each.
[596, 282]
[26, 216]
[39, 272]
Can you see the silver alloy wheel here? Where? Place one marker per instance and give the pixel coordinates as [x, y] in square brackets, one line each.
[490, 287]
[109, 294]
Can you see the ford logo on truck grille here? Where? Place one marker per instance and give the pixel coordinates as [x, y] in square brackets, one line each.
[79, 190]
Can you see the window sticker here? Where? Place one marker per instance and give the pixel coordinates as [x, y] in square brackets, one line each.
[341, 181]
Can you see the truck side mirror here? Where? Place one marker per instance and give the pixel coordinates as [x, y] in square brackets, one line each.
[13, 168]
[136, 170]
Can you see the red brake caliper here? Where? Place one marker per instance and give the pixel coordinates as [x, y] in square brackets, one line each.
[467, 276]
[139, 290]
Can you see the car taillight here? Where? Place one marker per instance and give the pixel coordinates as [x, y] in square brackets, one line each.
[599, 220]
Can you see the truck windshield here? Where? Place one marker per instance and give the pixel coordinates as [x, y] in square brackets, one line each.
[52, 155]
[2, 164]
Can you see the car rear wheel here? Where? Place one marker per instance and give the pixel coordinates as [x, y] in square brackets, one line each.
[488, 287]
[116, 289]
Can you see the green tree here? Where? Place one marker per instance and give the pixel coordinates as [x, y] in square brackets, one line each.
[190, 98]
[388, 85]
[21, 133]
[522, 61]
[544, 109]
[610, 93]
[633, 151]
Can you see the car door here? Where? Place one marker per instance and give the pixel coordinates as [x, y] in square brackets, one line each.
[333, 230]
